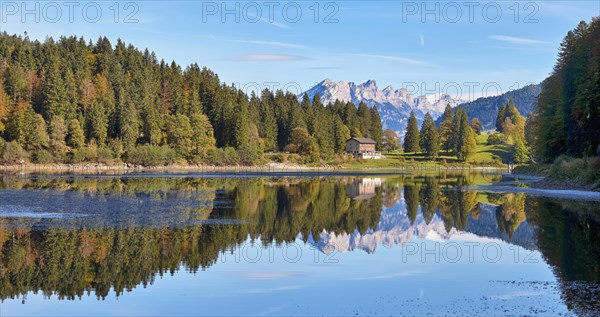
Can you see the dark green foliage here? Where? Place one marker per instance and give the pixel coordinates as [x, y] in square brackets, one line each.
[500, 117]
[92, 95]
[495, 139]
[411, 198]
[446, 129]
[430, 142]
[376, 131]
[42, 157]
[486, 108]
[464, 140]
[13, 153]
[150, 155]
[567, 117]
[75, 137]
[411, 138]
[223, 156]
[476, 126]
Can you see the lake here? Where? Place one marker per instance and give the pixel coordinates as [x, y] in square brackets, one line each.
[445, 243]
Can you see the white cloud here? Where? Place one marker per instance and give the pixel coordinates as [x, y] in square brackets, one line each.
[267, 58]
[516, 40]
[422, 40]
[393, 58]
[274, 43]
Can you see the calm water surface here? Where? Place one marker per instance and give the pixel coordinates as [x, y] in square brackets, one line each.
[430, 244]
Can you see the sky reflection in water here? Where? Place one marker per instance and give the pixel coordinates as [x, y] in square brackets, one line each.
[405, 245]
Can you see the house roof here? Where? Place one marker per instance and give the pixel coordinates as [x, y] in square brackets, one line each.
[363, 140]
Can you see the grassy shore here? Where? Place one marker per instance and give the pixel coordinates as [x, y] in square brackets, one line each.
[566, 173]
[490, 156]
[486, 157]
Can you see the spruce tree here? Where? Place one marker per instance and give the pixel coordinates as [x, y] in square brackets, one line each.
[446, 128]
[342, 134]
[429, 137]
[468, 144]
[500, 117]
[364, 118]
[376, 128]
[75, 135]
[476, 126]
[412, 138]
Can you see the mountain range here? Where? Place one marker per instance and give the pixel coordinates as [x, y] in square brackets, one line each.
[395, 105]
[395, 228]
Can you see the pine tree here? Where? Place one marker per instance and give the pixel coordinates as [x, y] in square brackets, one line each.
[467, 144]
[58, 135]
[364, 118]
[411, 197]
[96, 123]
[4, 102]
[446, 128]
[376, 128]
[55, 97]
[180, 134]
[268, 122]
[500, 117]
[476, 125]
[412, 138]
[342, 134]
[36, 132]
[75, 136]
[202, 138]
[429, 137]
[521, 153]
[464, 140]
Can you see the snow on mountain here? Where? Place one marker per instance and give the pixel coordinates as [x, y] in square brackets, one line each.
[394, 105]
[395, 228]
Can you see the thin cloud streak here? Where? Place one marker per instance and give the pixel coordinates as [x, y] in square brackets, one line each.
[275, 23]
[400, 59]
[273, 43]
[516, 40]
[267, 58]
[324, 68]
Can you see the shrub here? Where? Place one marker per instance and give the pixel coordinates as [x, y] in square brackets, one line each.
[581, 170]
[42, 157]
[223, 156]
[562, 158]
[104, 155]
[13, 153]
[84, 154]
[60, 157]
[496, 138]
[151, 155]
[279, 158]
[116, 146]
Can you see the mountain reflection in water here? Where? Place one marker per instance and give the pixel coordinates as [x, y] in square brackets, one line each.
[121, 232]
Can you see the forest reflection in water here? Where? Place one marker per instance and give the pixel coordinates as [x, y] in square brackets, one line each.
[68, 236]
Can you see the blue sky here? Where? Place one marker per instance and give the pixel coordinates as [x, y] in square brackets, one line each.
[428, 47]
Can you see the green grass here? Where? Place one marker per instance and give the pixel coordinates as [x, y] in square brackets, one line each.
[491, 154]
[486, 155]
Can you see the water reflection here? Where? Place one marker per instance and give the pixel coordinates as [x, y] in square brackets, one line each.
[122, 232]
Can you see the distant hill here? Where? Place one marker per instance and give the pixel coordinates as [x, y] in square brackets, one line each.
[486, 108]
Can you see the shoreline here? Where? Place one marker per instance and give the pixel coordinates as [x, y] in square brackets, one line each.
[280, 168]
[542, 182]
